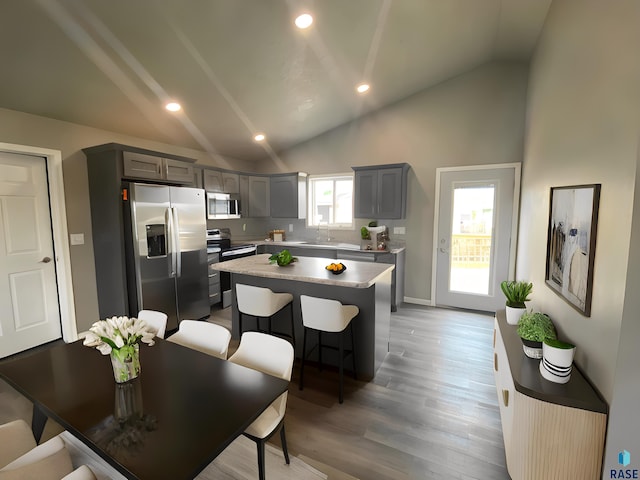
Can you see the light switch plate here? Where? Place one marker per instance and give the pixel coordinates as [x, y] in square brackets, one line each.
[399, 230]
[291, 227]
[77, 238]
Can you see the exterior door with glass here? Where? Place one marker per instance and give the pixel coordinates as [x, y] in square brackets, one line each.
[475, 232]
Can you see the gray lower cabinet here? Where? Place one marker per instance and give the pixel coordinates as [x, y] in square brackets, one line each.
[288, 195]
[215, 295]
[380, 191]
[397, 276]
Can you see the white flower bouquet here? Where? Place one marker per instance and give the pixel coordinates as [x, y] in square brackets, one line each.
[119, 337]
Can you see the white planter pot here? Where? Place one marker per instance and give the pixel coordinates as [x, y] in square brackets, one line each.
[514, 314]
[556, 364]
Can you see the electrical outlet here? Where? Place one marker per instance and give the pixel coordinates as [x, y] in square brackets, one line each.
[244, 227]
[399, 230]
[291, 227]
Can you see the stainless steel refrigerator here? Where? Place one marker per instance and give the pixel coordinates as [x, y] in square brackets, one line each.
[169, 251]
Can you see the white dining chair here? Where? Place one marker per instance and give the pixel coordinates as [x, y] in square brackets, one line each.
[273, 356]
[329, 316]
[81, 473]
[261, 302]
[156, 320]
[203, 336]
[16, 439]
[49, 460]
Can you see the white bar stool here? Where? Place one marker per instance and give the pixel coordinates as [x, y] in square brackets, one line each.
[325, 315]
[260, 302]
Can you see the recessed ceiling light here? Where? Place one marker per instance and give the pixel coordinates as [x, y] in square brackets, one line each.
[362, 88]
[259, 137]
[173, 107]
[303, 21]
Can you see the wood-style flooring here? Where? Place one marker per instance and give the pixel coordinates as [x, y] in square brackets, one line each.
[431, 412]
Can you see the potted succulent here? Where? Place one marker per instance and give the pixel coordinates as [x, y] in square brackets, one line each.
[533, 329]
[557, 360]
[516, 293]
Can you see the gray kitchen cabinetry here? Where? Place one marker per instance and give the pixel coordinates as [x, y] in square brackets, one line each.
[212, 180]
[230, 182]
[106, 168]
[380, 192]
[214, 279]
[288, 195]
[396, 258]
[254, 194]
[137, 165]
[220, 182]
[197, 177]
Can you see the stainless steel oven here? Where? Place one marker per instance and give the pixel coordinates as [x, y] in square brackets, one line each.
[221, 238]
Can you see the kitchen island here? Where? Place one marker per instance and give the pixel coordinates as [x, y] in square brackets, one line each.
[365, 284]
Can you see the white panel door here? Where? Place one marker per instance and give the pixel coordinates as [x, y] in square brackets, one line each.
[29, 311]
[475, 225]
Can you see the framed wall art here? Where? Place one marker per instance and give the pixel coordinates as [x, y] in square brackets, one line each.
[571, 243]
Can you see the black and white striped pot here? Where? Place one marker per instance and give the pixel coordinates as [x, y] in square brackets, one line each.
[556, 363]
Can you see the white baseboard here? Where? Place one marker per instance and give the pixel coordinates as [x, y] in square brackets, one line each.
[419, 301]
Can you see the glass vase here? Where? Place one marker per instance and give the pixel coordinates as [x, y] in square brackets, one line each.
[125, 363]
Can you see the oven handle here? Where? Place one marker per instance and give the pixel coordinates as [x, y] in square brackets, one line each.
[238, 251]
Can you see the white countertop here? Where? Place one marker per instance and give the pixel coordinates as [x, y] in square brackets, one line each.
[308, 269]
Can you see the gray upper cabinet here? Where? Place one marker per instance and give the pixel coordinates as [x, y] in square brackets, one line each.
[380, 192]
[230, 182]
[178, 171]
[151, 167]
[259, 197]
[212, 180]
[220, 182]
[289, 195]
[254, 196]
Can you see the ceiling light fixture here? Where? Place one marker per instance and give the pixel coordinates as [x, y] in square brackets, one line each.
[259, 137]
[173, 107]
[362, 88]
[303, 21]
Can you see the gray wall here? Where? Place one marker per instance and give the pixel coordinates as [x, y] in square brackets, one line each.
[473, 119]
[583, 119]
[23, 129]
[583, 123]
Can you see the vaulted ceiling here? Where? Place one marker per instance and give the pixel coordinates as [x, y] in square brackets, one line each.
[239, 67]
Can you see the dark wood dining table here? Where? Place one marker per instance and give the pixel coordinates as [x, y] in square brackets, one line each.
[182, 411]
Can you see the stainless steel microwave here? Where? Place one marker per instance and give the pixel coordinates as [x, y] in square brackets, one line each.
[222, 205]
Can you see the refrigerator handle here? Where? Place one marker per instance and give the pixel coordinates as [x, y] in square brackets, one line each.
[176, 242]
[168, 218]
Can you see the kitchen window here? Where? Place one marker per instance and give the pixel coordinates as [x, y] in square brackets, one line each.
[330, 201]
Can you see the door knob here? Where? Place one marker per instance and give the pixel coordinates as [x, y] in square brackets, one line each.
[46, 260]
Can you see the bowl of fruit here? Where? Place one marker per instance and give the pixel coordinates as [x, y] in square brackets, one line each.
[336, 268]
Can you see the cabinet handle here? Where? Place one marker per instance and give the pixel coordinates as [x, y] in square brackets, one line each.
[494, 338]
[495, 362]
[505, 397]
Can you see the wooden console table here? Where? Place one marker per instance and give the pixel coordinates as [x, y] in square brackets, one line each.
[551, 431]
